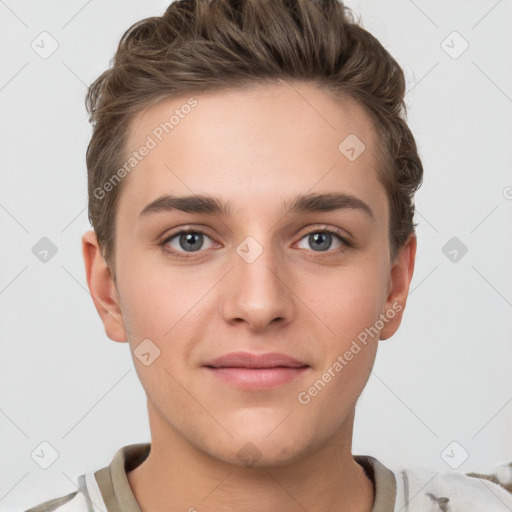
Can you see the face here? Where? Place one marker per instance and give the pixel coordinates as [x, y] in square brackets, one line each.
[313, 282]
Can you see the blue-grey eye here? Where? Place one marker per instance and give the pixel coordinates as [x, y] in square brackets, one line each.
[321, 240]
[191, 241]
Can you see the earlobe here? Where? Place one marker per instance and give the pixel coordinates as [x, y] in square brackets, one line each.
[102, 288]
[400, 279]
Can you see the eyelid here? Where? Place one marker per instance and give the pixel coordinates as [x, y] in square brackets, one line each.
[320, 228]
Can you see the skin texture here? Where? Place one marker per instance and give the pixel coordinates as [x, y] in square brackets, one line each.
[254, 148]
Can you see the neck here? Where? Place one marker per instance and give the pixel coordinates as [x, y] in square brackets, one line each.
[177, 476]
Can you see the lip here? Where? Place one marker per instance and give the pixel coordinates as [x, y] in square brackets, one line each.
[248, 360]
[256, 371]
[258, 378]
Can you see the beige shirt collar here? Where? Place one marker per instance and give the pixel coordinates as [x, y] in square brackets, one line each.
[118, 496]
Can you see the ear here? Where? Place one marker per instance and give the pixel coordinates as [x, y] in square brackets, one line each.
[398, 288]
[102, 287]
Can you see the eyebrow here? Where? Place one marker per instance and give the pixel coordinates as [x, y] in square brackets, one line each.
[303, 203]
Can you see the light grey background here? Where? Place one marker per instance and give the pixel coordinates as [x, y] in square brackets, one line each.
[445, 376]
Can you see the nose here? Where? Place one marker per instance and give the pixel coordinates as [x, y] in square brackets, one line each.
[257, 291]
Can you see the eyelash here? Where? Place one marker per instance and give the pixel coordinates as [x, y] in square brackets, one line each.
[337, 233]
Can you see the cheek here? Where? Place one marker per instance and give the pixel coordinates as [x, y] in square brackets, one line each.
[158, 301]
[348, 302]
[161, 308]
[348, 307]
[169, 308]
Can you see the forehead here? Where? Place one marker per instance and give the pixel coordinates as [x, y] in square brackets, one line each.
[253, 143]
[304, 107]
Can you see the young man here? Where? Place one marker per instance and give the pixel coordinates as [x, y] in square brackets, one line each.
[251, 182]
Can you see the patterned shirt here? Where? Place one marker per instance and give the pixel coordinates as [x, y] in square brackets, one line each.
[397, 490]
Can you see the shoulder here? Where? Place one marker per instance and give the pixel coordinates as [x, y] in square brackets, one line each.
[420, 489]
[106, 486]
[72, 502]
[86, 498]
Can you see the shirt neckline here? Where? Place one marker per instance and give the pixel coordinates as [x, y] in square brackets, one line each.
[118, 496]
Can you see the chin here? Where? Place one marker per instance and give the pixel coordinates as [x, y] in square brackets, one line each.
[261, 450]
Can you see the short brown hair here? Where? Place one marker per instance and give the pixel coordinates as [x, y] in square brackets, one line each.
[203, 45]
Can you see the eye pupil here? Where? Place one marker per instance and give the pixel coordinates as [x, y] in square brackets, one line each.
[191, 238]
[322, 237]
